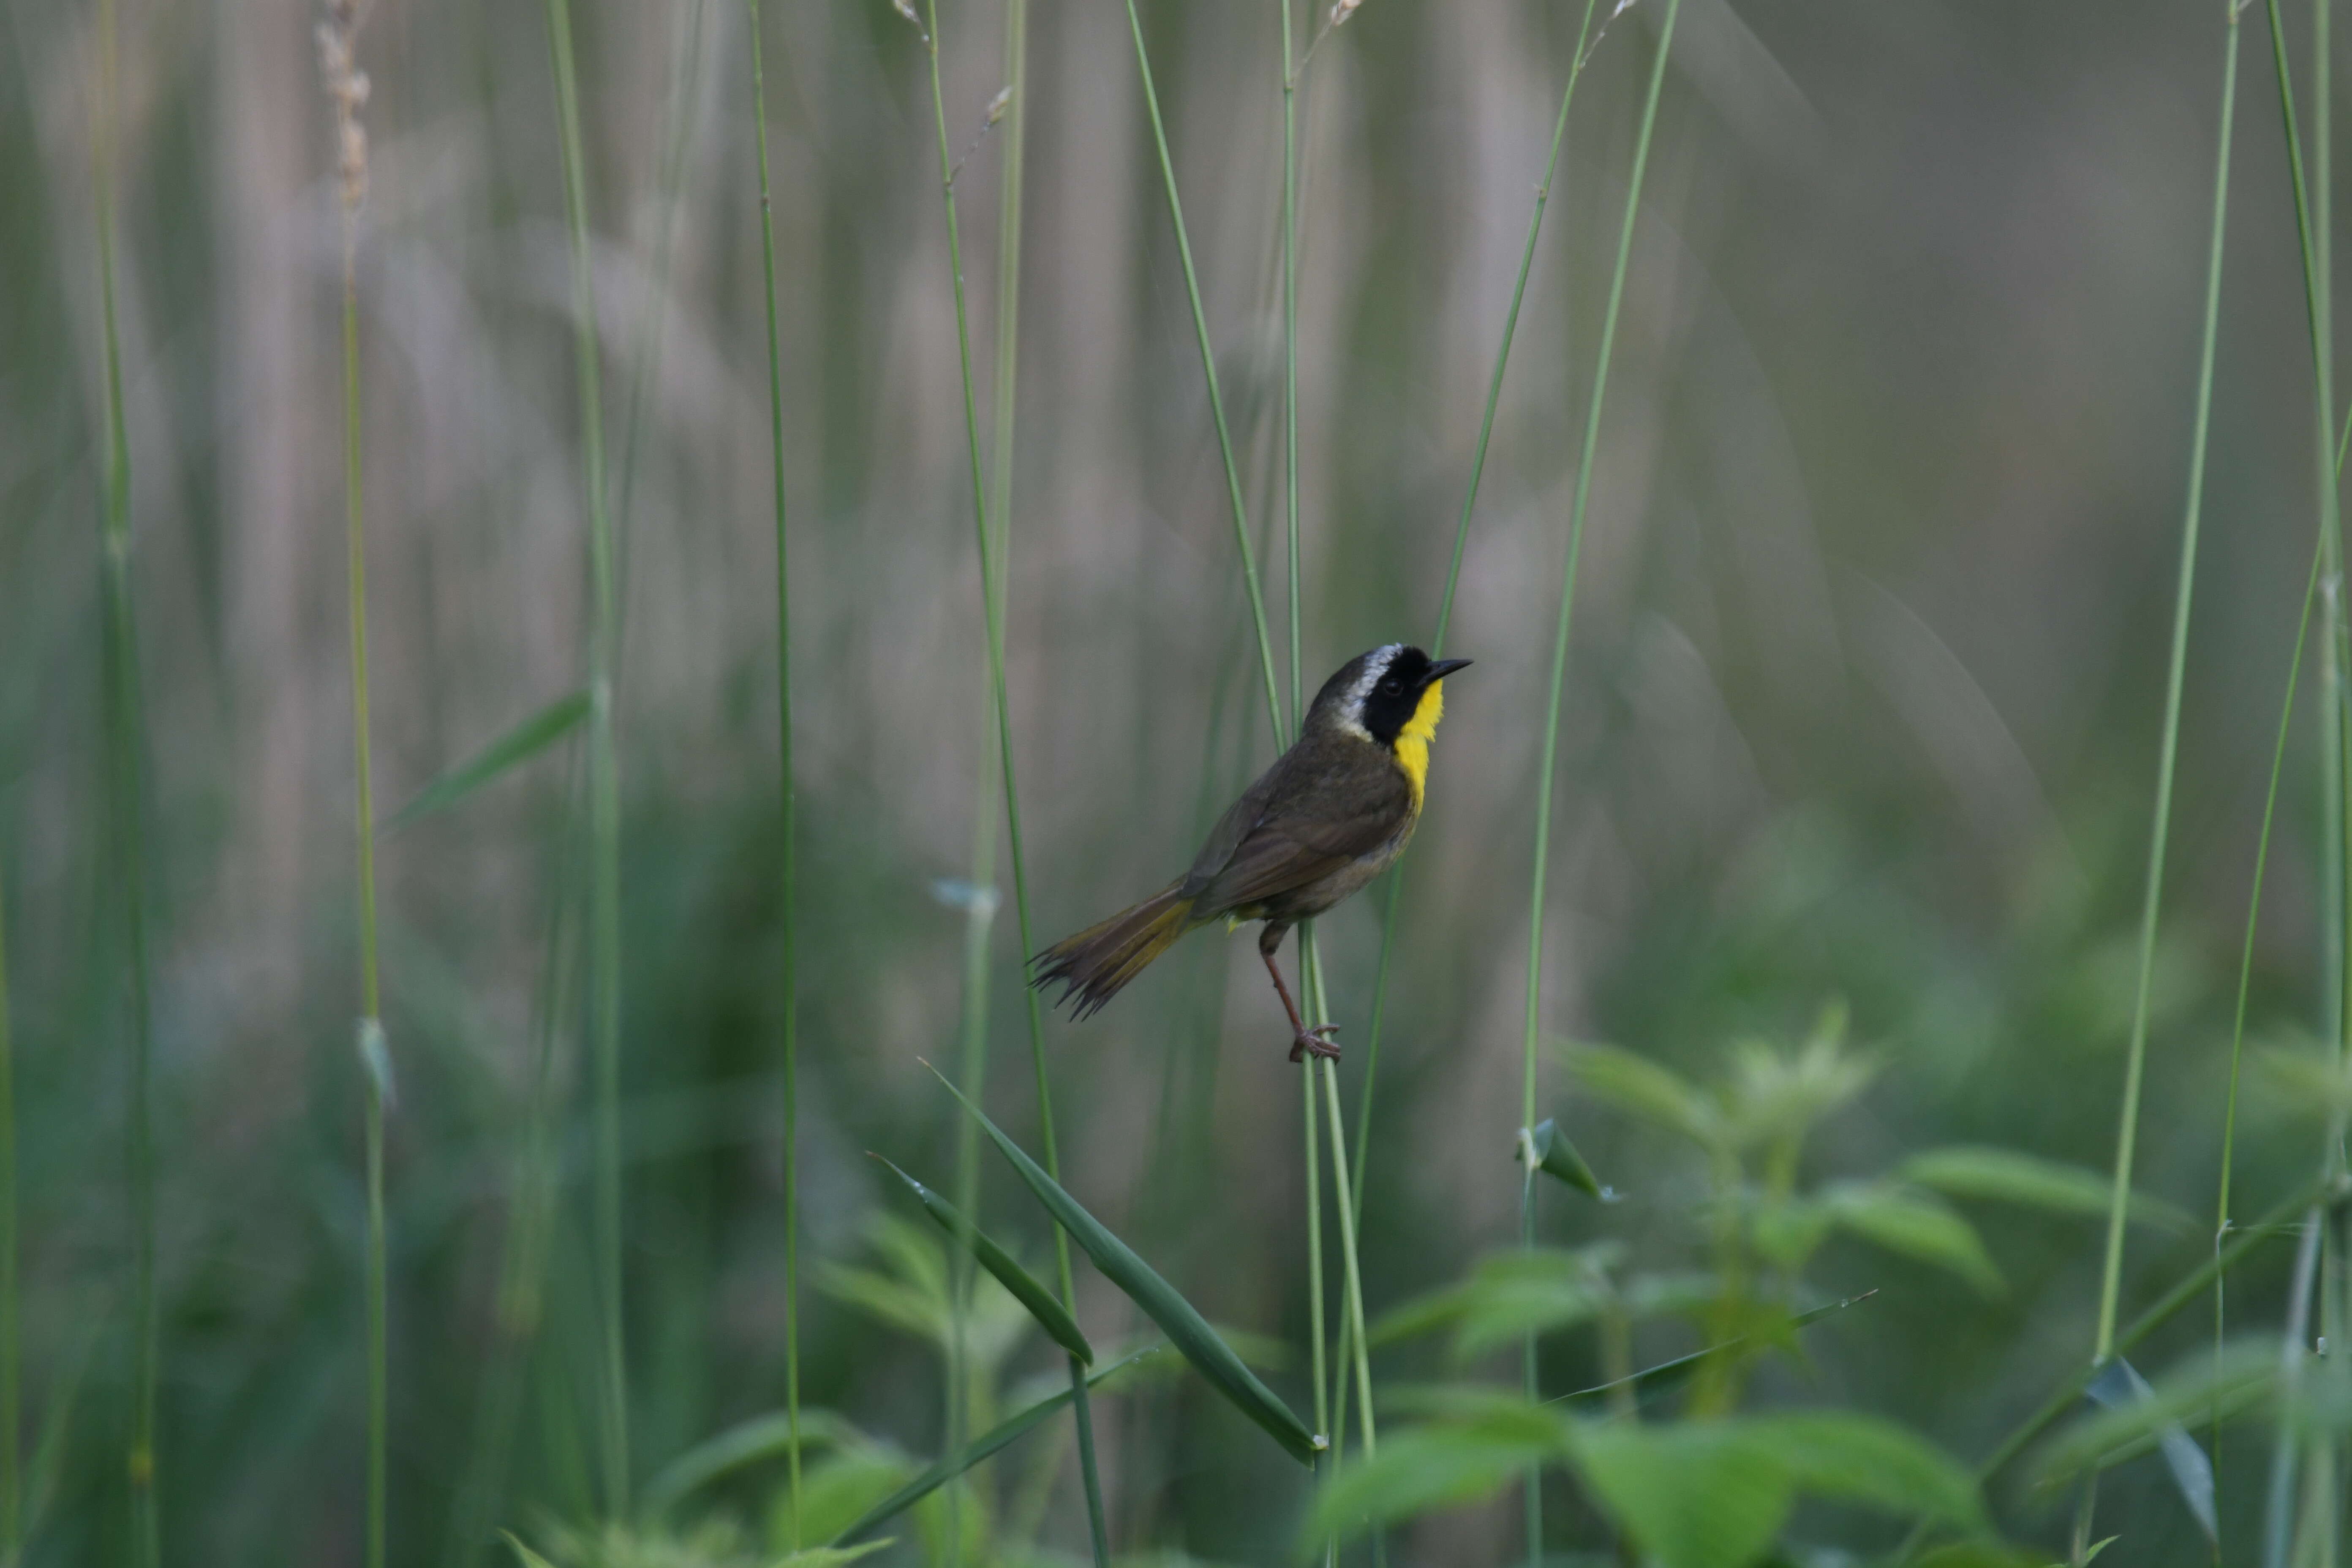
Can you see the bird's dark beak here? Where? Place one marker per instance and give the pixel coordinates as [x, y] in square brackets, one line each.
[1445, 666]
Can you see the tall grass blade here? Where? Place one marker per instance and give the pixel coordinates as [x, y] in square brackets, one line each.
[1551, 708]
[996, 1437]
[12, 1472]
[1160, 1301]
[645, 349]
[1050, 1314]
[992, 586]
[1652, 1381]
[1454, 577]
[748, 1442]
[788, 979]
[531, 735]
[1317, 1330]
[1329, 1073]
[2312, 210]
[337, 49]
[1208, 370]
[603, 781]
[2134, 1064]
[126, 804]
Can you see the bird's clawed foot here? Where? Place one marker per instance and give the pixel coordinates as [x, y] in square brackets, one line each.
[1311, 1043]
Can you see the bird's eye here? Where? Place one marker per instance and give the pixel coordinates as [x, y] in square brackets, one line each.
[1392, 686]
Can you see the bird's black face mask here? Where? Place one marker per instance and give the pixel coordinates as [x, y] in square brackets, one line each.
[1394, 699]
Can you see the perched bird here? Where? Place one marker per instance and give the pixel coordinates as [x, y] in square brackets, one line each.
[1327, 817]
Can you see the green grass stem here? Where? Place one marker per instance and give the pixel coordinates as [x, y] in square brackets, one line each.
[645, 348]
[12, 1472]
[2127, 1130]
[1318, 1328]
[126, 803]
[1208, 370]
[2311, 233]
[373, 1053]
[1079, 1404]
[1291, 352]
[1550, 753]
[604, 782]
[1452, 578]
[786, 889]
[2136, 1056]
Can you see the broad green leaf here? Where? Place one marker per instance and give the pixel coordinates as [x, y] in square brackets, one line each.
[1503, 1412]
[831, 1556]
[836, 1489]
[1422, 1315]
[526, 740]
[524, 1554]
[1557, 1157]
[1642, 1087]
[1507, 1295]
[1859, 1458]
[1049, 1313]
[971, 1454]
[1178, 1319]
[1693, 1494]
[752, 1442]
[2314, 1081]
[1771, 1096]
[1979, 1554]
[1417, 1470]
[1516, 1294]
[1916, 1226]
[886, 1300]
[1788, 1231]
[2006, 1175]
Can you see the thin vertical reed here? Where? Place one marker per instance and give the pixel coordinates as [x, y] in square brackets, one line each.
[603, 781]
[2127, 1131]
[2318, 312]
[1329, 1072]
[1551, 708]
[785, 804]
[1209, 371]
[1081, 1408]
[2136, 1058]
[339, 40]
[645, 349]
[1290, 349]
[2323, 321]
[1395, 894]
[1318, 1334]
[12, 1474]
[126, 803]
[1317, 1330]
[1454, 577]
[2246, 963]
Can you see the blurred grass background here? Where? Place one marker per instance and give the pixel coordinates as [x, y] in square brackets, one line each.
[1863, 702]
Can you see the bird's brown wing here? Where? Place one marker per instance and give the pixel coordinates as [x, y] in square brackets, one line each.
[1312, 814]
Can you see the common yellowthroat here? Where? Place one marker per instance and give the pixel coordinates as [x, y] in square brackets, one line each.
[1327, 817]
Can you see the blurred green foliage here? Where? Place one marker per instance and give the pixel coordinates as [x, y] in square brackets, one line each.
[1863, 704]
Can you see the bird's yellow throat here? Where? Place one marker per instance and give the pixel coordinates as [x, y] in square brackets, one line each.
[1413, 741]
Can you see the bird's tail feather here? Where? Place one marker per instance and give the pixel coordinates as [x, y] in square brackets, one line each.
[1094, 964]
